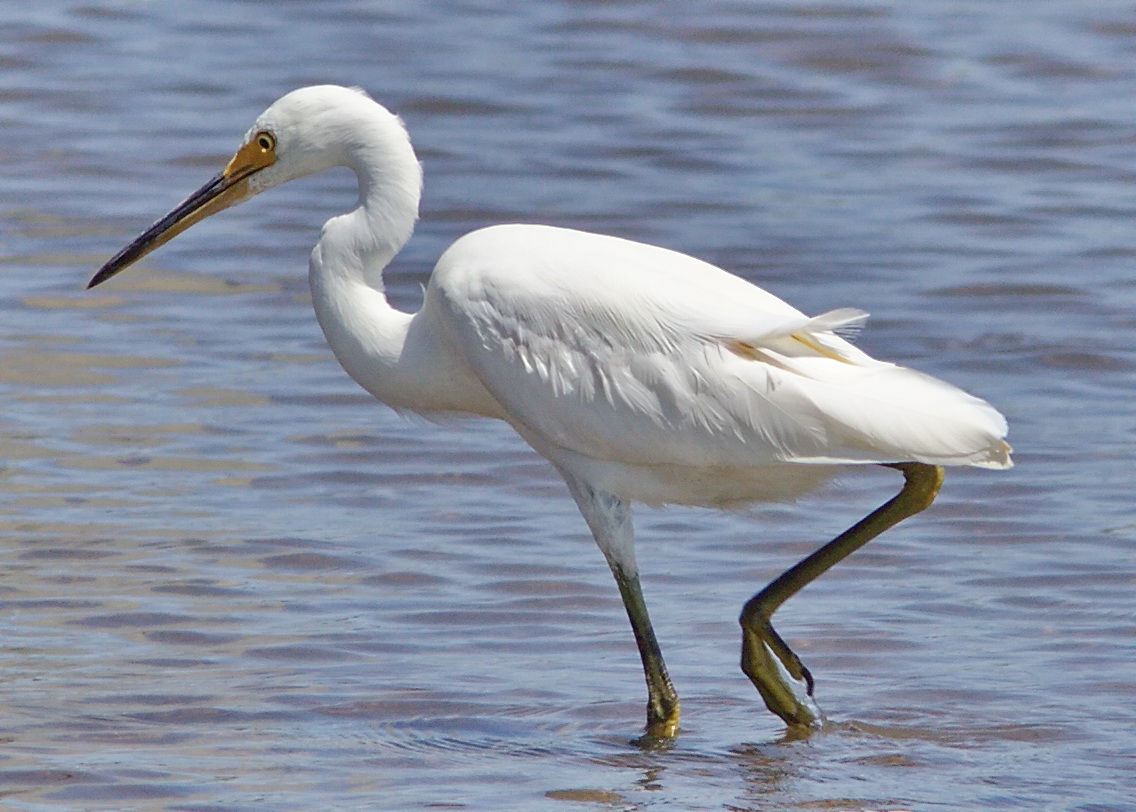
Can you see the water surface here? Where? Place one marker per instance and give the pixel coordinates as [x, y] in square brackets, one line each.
[231, 581]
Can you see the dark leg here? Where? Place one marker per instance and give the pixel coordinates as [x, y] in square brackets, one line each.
[609, 518]
[662, 699]
[766, 659]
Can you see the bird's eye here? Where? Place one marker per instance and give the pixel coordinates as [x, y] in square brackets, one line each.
[266, 141]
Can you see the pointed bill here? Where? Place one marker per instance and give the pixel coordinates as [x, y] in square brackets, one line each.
[229, 187]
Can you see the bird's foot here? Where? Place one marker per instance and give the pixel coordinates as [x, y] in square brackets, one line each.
[662, 719]
[777, 672]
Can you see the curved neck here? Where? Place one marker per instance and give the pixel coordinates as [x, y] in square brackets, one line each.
[345, 273]
[404, 360]
[360, 244]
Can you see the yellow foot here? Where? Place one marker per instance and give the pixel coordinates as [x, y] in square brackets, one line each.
[662, 725]
[778, 674]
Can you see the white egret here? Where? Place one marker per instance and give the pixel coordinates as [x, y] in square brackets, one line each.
[640, 373]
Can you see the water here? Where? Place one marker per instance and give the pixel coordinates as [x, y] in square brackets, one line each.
[230, 581]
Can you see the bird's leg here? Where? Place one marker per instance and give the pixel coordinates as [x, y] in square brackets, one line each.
[662, 699]
[609, 519]
[766, 659]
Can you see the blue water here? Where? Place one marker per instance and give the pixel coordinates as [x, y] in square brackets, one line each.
[231, 581]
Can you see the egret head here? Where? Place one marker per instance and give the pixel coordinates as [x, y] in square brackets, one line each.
[303, 132]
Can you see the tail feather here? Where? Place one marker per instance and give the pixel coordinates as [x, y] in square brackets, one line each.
[912, 416]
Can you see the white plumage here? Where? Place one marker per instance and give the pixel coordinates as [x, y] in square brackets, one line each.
[642, 374]
[640, 356]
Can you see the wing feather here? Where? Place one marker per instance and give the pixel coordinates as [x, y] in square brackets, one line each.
[630, 353]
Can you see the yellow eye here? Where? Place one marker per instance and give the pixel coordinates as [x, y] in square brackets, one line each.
[266, 141]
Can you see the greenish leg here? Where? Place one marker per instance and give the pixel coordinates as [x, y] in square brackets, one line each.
[766, 658]
[662, 699]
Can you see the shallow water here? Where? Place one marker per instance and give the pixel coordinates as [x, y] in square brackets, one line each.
[231, 581]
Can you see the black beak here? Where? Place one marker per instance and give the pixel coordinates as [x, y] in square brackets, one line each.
[190, 211]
